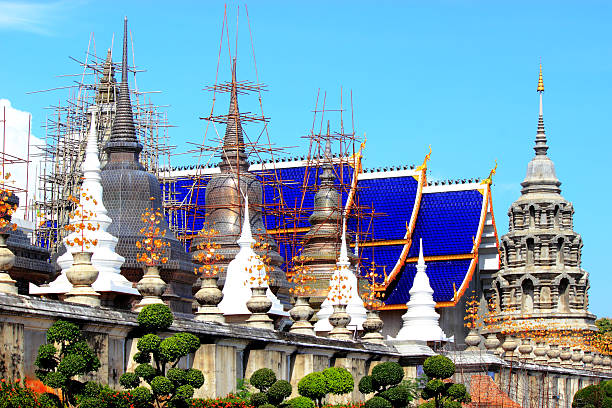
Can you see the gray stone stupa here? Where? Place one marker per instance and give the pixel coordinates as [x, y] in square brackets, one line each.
[224, 202]
[541, 281]
[129, 190]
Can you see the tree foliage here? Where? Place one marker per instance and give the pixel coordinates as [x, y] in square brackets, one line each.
[158, 359]
[65, 356]
[442, 394]
[386, 382]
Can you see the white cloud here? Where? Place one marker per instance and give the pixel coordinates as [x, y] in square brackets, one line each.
[16, 142]
[31, 17]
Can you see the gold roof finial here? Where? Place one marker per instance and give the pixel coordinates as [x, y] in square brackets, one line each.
[489, 179]
[427, 157]
[540, 81]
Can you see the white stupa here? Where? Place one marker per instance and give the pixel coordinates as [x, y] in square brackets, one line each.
[104, 259]
[355, 307]
[421, 321]
[237, 289]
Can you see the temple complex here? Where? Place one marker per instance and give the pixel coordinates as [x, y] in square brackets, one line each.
[427, 251]
[541, 282]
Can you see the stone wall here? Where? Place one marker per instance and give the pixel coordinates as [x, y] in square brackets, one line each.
[228, 352]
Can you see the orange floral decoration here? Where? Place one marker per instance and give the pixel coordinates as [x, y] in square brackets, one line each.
[153, 246]
[372, 293]
[300, 275]
[206, 256]
[259, 266]
[472, 319]
[6, 209]
[80, 222]
[339, 289]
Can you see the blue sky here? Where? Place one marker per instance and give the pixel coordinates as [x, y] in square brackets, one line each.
[459, 75]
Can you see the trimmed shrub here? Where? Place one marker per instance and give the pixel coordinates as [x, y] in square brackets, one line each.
[458, 392]
[262, 379]
[259, 398]
[301, 402]
[365, 385]
[591, 396]
[194, 377]
[313, 386]
[386, 374]
[399, 396]
[278, 391]
[129, 381]
[161, 385]
[184, 392]
[442, 394]
[177, 376]
[188, 342]
[439, 367]
[339, 380]
[142, 396]
[142, 358]
[145, 371]
[148, 343]
[378, 402]
[155, 317]
[267, 406]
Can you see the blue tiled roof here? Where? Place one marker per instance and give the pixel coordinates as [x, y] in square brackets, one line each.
[442, 275]
[394, 199]
[447, 222]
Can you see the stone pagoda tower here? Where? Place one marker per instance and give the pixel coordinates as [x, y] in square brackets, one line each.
[225, 202]
[322, 242]
[129, 190]
[541, 279]
[106, 95]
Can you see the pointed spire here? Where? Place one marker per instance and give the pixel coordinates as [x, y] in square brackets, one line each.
[421, 262]
[541, 176]
[234, 154]
[540, 146]
[343, 260]
[246, 237]
[107, 84]
[327, 175]
[123, 134]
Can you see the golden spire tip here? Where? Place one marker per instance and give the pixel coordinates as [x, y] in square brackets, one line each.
[540, 81]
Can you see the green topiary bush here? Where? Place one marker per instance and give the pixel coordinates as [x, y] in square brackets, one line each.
[301, 402]
[145, 371]
[194, 377]
[386, 382]
[385, 375]
[259, 399]
[442, 394]
[148, 343]
[365, 385]
[65, 356]
[157, 358]
[339, 380]
[141, 396]
[399, 396]
[439, 367]
[184, 392]
[154, 318]
[313, 386]
[591, 396]
[278, 391]
[177, 376]
[160, 385]
[262, 379]
[129, 380]
[378, 402]
[267, 406]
